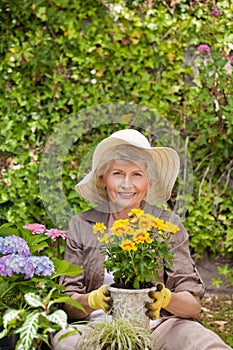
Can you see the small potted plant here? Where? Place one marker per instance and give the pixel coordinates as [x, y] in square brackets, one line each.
[134, 249]
[121, 333]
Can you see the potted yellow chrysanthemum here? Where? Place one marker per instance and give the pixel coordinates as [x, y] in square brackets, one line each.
[135, 249]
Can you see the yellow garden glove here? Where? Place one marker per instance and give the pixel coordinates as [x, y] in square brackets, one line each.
[161, 297]
[100, 299]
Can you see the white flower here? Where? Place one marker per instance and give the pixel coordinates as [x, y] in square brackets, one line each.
[93, 81]
[117, 8]
[93, 71]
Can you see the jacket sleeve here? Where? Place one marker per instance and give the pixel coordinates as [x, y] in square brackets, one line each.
[74, 254]
[183, 276]
[82, 249]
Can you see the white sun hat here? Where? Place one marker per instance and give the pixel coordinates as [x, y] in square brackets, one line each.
[165, 160]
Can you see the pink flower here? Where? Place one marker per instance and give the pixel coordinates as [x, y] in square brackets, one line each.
[215, 12]
[203, 48]
[35, 228]
[231, 59]
[55, 233]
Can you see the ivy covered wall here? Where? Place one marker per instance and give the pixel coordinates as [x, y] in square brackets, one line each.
[61, 57]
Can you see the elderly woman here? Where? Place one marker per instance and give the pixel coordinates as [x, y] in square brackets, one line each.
[128, 173]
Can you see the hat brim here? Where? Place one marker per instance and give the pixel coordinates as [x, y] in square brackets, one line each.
[167, 164]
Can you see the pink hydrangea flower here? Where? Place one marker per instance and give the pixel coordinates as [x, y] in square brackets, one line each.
[35, 228]
[203, 48]
[215, 12]
[231, 59]
[54, 233]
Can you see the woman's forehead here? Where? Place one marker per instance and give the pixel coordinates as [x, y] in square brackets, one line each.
[123, 163]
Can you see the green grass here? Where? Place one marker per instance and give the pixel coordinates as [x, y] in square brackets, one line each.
[217, 315]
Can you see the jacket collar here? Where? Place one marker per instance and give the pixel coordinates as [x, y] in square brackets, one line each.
[101, 214]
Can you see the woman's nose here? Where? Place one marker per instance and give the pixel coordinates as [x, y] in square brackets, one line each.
[126, 183]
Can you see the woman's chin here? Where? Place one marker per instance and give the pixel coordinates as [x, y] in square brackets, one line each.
[123, 203]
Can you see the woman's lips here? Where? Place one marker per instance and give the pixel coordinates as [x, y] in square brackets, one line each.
[126, 194]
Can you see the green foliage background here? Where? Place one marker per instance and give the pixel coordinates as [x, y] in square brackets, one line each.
[139, 53]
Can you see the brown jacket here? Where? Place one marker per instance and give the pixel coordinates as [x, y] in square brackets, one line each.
[82, 249]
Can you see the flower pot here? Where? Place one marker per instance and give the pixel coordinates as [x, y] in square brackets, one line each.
[130, 302]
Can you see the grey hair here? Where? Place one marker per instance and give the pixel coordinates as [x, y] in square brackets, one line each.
[126, 153]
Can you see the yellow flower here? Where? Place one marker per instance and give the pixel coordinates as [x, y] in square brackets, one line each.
[136, 212]
[160, 224]
[134, 216]
[148, 239]
[99, 227]
[141, 237]
[104, 238]
[120, 227]
[99, 74]
[120, 223]
[128, 245]
[146, 222]
[172, 228]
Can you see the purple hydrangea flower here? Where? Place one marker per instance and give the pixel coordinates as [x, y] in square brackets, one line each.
[203, 48]
[215, 12]
[231, 59]
[27, 265]
[15, 263]
[43, 265]
[5, 266]
[14, 244]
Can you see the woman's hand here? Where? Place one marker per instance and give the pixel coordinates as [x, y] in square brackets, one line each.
[161, 298]
[97, 299]
[100, 299]
[182, 304]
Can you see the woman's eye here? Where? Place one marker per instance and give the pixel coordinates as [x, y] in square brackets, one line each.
[116, 173]
[138, 174]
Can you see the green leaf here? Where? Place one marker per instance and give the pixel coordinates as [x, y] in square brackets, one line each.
[10, 315]
[33, 300]
[8, 230]
[229, 237]
[216, 282]
[68, 334]
[28, 330]
[64, 268]
[223, 270]
[67, 300]
[3, 333]
[58, 317]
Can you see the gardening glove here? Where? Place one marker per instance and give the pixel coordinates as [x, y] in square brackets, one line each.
[100, 299]
[161, 298]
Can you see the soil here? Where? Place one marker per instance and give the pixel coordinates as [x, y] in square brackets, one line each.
[217, 315]
[208, 270]
[217, 305]
[129, 285]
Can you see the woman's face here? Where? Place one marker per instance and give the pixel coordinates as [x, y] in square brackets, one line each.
[126, 184]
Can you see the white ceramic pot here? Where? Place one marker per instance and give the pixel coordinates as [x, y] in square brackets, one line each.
[130, 302]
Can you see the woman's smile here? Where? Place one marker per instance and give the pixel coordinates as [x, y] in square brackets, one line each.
[126, 194]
